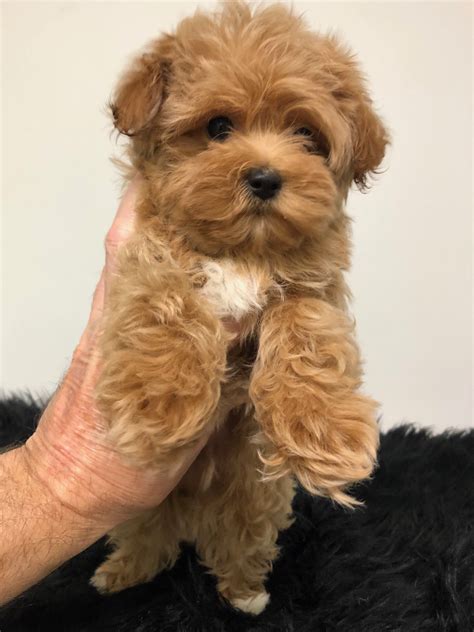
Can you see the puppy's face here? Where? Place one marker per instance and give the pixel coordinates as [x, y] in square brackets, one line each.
[251, 129]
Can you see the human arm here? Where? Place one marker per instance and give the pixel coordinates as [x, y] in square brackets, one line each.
[67, 486]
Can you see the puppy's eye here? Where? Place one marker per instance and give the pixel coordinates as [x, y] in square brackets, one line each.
[219, 128]
[304, 131]
[316, 142]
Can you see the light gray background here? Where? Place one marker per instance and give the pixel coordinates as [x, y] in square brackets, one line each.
[412, 273]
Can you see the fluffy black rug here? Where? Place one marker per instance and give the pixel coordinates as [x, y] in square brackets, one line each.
[403, 563]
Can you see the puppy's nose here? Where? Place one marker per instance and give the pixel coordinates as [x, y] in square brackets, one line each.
[263, 182]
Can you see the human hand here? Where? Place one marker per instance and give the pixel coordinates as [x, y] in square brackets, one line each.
[70, 452]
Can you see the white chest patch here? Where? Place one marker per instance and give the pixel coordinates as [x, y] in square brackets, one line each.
[232, 293]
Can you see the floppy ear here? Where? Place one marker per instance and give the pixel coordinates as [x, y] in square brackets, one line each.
[142, 89]
[370, 141]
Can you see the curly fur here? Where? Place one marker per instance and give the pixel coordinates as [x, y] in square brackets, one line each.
[318, 425]
[228, 314]
[405, 563]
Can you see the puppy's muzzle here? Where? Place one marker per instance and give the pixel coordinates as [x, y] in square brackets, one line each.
[263, 182]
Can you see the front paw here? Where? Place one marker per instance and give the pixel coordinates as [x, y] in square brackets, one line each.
[164, 358]
[159, 406]
[326, 450]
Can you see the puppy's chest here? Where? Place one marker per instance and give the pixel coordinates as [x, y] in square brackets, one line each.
[235, 291]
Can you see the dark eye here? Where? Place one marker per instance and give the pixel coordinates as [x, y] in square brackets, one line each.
[219, 128]
[316, 143]
[304, 131]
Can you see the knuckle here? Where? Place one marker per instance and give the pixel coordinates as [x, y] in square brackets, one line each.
[111, 243]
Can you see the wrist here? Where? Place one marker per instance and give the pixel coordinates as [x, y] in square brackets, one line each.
[39, 532]
[61, 499]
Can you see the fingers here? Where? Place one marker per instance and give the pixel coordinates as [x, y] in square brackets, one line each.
[121, 229]
[119, 232]
[98, 303]
[123, 223]
[99, 296]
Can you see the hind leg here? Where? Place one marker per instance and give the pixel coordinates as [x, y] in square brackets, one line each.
[241, 546]
[143, 547]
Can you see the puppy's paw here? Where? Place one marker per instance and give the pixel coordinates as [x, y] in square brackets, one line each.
[326, 453]
[118, 574]
[331, 474]
[254, 604]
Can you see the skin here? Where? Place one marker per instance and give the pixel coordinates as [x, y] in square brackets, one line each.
[67, 486]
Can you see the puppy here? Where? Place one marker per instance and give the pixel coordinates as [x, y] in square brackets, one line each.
[229, 313]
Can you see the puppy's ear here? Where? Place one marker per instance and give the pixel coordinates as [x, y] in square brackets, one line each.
[142, 89]
[369, 137]
[370, 141]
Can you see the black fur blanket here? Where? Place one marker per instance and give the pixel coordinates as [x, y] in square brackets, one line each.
[403, 563]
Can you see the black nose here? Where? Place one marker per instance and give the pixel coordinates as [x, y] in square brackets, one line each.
[263, 182]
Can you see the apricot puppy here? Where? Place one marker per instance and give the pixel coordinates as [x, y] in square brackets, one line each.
[248, 130]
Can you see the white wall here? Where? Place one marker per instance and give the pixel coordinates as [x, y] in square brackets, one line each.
[412, 275]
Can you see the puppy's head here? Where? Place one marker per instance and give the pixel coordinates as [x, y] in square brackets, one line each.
[250, 128]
